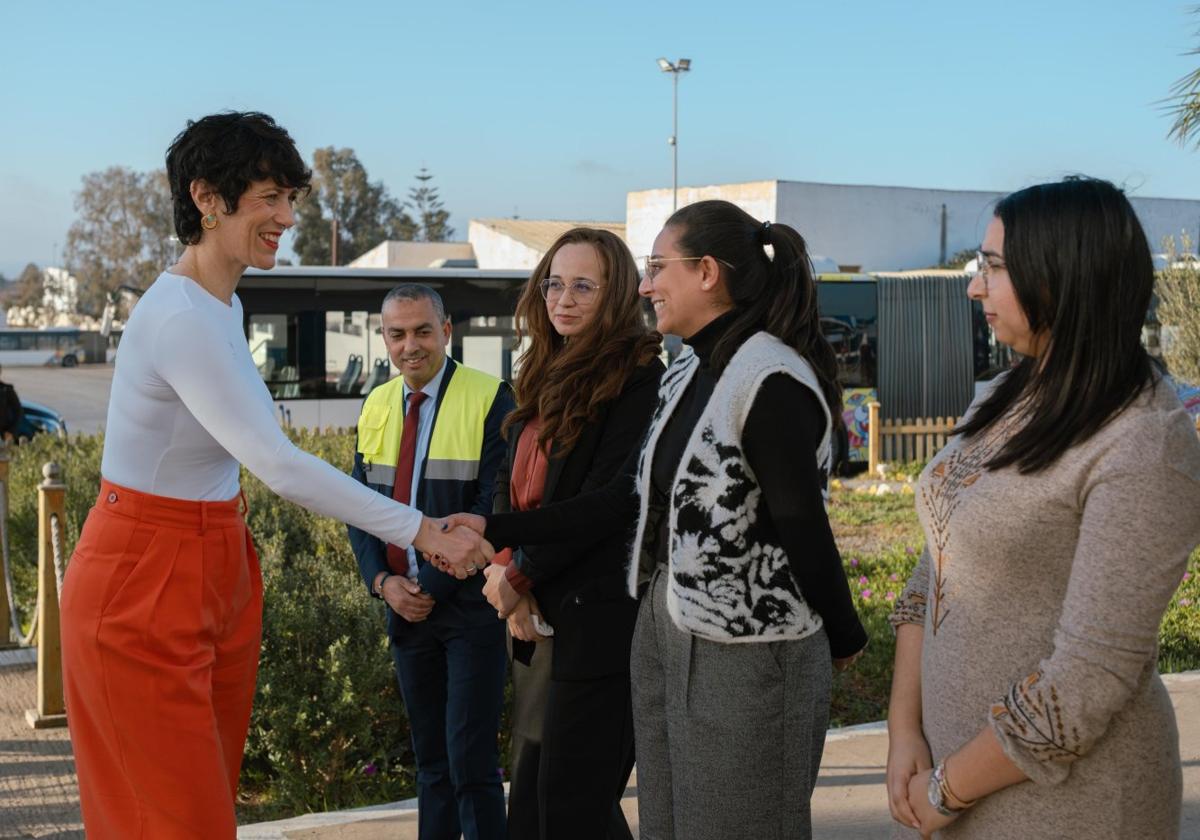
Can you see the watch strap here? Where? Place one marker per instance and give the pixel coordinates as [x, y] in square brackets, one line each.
[377, 589]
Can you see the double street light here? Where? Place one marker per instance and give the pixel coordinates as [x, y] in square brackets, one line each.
[681, 66]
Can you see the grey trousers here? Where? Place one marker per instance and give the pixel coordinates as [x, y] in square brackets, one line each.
[729, 736]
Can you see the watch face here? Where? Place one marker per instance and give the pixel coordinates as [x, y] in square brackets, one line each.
[935, 792]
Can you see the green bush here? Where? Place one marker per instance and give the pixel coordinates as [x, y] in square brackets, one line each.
[79, 460]
[328, 728]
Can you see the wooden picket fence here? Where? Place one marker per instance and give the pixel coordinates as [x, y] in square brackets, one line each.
[904, 440]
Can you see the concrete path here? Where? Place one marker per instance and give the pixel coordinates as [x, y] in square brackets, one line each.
[38, 794]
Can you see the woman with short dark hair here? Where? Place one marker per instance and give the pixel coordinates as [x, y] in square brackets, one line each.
[162, 603]
[1058, 523]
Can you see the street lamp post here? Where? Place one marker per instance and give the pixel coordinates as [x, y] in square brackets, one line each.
[681, 66]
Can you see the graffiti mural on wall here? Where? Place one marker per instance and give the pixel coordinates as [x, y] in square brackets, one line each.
[854, 413]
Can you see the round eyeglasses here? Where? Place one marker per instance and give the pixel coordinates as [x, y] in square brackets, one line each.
[582, 291]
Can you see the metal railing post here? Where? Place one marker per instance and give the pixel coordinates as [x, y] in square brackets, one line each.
[51, 710]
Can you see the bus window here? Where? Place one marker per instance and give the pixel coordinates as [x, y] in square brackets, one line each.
[353, 343]
[849, 317]
[275, 359]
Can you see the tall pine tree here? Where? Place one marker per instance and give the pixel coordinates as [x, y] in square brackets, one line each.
[432, 218]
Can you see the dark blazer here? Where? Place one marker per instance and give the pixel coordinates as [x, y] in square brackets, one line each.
[581, 590]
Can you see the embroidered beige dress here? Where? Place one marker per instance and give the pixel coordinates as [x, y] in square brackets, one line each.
[1041, 597]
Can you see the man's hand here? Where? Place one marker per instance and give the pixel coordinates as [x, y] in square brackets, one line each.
[457, 550]
[406, 599]
[499, 591]
[520, 621]
[473, 521]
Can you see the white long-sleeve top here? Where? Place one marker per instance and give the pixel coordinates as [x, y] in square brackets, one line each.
[188, 405]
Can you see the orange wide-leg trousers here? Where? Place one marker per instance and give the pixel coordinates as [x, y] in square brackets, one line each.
[161, 625]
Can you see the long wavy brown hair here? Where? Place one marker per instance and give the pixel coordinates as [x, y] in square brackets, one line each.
[566, 382]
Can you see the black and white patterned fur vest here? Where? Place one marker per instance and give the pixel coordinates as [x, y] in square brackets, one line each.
[729, 581]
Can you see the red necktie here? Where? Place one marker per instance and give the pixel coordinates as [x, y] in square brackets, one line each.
[397, 557]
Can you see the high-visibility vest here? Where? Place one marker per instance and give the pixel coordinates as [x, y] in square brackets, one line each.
[458, 428]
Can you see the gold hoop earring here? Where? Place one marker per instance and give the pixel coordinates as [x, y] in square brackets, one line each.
[210, 221]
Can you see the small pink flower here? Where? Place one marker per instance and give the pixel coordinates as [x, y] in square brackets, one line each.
[370, 769]
[862, 581]
[1185, 602]
[909, 550]
[891, 596]
[893, 577]
[1187, 576]
[866, 594]
[854, 563]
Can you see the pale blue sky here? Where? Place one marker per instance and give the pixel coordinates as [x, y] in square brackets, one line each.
[556, 109]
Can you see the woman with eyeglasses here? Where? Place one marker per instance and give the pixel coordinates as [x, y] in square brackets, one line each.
[1026, 701]
[585, 390]
[745, 601]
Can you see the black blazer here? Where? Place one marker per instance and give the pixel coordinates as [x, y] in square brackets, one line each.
[580, 587]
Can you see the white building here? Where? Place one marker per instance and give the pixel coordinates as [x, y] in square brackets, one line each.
[397, 254]
[871, 228]
[521, 243]
[60, 292]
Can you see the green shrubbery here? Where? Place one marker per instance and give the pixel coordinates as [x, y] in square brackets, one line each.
[329, 730]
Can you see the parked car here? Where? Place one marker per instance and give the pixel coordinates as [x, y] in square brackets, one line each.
[39, 418]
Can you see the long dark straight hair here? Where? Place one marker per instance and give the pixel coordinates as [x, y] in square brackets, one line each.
[773, 293]
[1081, 270]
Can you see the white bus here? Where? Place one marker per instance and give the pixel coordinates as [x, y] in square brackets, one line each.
[63, 346]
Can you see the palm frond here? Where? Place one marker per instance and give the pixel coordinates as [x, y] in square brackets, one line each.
[1184, 103]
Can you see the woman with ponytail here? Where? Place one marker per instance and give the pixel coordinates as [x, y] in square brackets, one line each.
[747, 602]
[744, 600]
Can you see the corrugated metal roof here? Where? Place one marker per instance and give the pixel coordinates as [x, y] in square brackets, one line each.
[539, 234]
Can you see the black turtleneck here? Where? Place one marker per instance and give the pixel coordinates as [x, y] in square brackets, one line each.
[780, 438]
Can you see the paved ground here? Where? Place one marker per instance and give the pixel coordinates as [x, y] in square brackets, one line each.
[80, 394]
[38, 796]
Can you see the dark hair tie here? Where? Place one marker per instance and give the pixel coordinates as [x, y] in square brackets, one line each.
[764, 234]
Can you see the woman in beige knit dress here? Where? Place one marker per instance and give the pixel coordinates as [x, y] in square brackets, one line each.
[1026, 702]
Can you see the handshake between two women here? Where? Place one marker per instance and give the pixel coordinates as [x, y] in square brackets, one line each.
[455, 544]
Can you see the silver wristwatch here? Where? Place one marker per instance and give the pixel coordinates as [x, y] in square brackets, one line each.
[937, 792]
